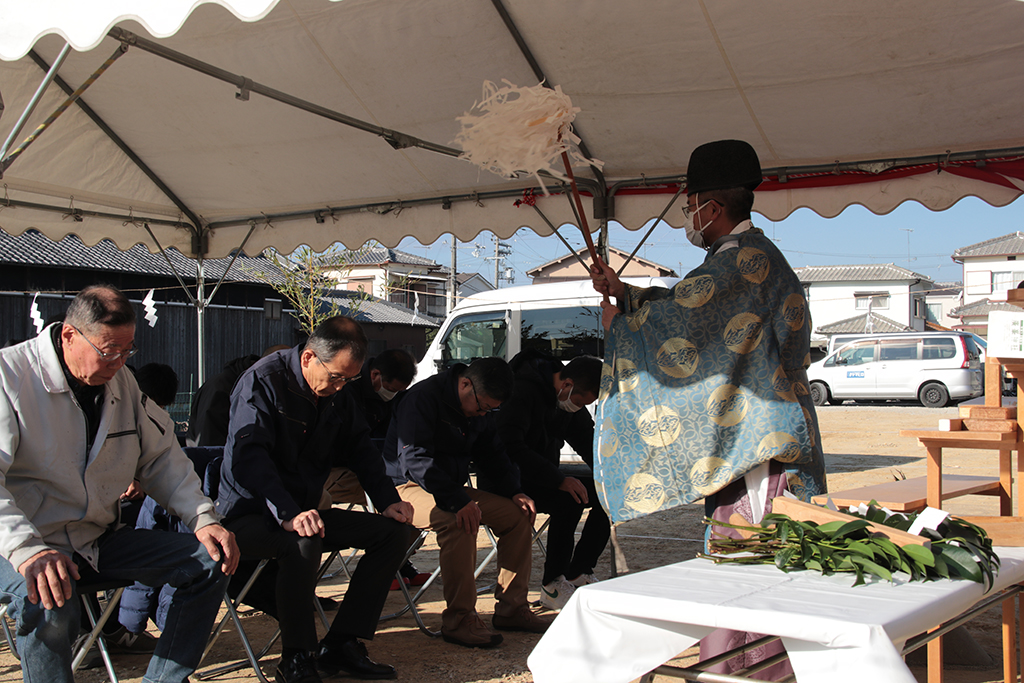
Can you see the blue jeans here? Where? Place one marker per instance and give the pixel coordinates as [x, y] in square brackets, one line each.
[45, 637]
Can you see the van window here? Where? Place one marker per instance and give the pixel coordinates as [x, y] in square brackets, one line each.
[564, 332]
[857, 354]
[475, 336]
[935, 349]
[897, 349]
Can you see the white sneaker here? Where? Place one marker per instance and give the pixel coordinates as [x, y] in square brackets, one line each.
[583, 580]
[556, 594]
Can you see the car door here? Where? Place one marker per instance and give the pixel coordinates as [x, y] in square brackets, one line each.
[898, 368]
[853, 370]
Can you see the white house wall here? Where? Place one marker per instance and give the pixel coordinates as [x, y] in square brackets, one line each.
[832, 302]
[978, 278]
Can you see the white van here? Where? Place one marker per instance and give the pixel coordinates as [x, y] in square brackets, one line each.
[932, 367]
[562, 319]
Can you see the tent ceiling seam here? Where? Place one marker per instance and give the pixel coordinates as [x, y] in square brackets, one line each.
[735, 79]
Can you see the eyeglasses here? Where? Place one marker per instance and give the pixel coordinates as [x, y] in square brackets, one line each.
[687, 211]
[105, 356]
[335, 378]
[477, 398]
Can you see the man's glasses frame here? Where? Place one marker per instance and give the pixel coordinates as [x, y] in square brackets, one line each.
[334, 377]
[477, 399]
[106, 356]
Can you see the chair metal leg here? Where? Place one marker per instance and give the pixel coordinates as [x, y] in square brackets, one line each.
[96, 634]
[536, 537]
[232, 613]
[8, 636]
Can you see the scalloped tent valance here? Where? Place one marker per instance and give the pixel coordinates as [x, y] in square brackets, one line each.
[314, 122]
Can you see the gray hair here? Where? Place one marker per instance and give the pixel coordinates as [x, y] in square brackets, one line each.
[98, 305]
[339, 333]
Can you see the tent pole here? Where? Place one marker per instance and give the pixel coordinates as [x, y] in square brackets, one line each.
[16, 131]
[653, 226]
[200, 303]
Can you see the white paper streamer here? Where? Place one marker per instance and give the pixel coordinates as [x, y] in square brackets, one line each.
[33, 313]
[521, 130]
[150, 307]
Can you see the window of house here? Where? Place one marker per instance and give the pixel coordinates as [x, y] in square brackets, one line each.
[1007, 279]
[934, 313]
[873, 301]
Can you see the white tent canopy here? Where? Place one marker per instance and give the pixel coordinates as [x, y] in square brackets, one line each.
[872, 102]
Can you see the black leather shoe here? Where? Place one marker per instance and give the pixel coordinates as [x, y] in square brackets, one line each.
[299, 669]
[351, 659]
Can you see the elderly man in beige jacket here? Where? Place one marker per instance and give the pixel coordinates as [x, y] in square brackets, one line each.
[75, 431]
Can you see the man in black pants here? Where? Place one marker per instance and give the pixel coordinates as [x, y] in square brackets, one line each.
[289, 425]
[545, 411]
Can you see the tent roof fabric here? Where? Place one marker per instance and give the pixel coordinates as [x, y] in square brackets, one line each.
[997, 246]
[872, 272]
[872, 103]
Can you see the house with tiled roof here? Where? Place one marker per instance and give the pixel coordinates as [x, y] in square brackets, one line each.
[861, 298]
[990, 269]
[397, 276]
[567, 267]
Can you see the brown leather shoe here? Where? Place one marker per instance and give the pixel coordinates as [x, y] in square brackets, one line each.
[471, 632]
[523, 619]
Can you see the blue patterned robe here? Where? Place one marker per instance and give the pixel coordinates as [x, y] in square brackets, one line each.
[704, 382]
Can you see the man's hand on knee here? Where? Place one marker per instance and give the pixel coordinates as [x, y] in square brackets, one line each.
[306, 523]
[401, 511]
[527, 505]
[468, 518]
[48, 576]
[220, 543]
[575, 488]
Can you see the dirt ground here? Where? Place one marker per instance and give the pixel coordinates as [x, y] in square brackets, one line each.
[862, 446]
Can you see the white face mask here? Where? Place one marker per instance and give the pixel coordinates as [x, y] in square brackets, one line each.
[386, 395]
[566, 404]
[695, 236]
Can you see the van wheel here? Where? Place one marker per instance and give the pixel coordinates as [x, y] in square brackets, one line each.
[819, 393]
[934, 395]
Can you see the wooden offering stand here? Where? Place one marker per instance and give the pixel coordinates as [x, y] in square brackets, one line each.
[991, 427]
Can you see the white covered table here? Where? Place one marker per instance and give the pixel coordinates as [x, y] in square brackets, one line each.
[617, 630]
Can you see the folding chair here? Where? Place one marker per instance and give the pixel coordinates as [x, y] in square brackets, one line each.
[87, 592]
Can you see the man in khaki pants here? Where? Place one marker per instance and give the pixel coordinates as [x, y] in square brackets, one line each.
[442, 425]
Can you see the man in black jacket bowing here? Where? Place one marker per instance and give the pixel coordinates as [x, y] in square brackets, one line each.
[289, 425]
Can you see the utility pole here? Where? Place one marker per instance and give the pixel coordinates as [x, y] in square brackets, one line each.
[452, 280]
[501, 250]
[908, 231]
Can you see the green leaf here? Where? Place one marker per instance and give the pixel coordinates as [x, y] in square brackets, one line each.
[920, 554]
[961, 563]
[873, 568]
[862, 548]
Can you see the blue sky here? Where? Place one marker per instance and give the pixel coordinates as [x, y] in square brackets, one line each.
[855, 236]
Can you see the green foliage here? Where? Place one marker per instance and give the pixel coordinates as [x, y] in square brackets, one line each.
[305, 281]
[958, 548]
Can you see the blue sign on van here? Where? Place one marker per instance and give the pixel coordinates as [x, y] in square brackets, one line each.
[855, 374]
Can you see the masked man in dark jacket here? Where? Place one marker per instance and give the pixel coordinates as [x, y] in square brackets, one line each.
[443, 424]
[547, 409]
[289, 425]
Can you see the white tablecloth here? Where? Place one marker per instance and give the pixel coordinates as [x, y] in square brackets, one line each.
[617, 630]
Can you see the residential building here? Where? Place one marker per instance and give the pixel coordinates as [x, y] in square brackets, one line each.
[568, 267]
[939, 304]
[990, 269]
[411, 281]
[864, 298]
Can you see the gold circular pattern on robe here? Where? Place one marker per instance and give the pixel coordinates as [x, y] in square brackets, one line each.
[659, 426]
[801, 388]
[793, 311]
[644, 493]
[629, 376]
[784, 388]
[609, 442]
[743, 333]
[607, 381]
[635, 320]
[810, 426]
[752, 264]
[778, 446]
[678, 357]
[709, 475]
[694, 292]
[727, 405]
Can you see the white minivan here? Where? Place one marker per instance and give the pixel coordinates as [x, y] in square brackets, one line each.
[562, 319]
[932, 367]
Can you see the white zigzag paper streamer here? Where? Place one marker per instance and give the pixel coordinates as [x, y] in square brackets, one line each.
[37, 318]
[150, 307]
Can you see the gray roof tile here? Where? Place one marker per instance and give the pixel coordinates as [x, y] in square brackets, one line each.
[982, 307]
[879, 325]
[871, 272]
[1006, 245]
